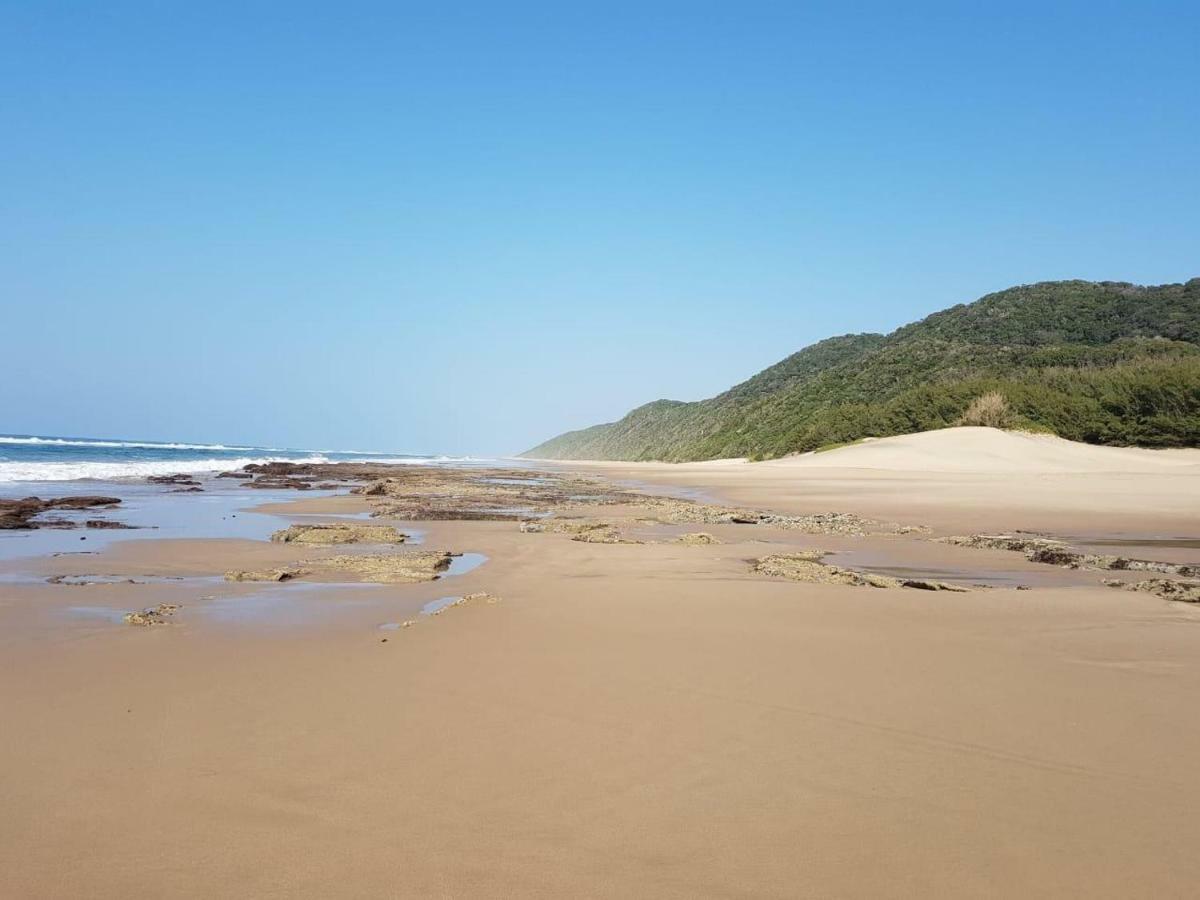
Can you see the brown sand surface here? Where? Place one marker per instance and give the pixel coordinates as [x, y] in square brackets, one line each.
[628, 720]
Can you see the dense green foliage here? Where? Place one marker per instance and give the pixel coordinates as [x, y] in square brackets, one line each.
[1108, 363]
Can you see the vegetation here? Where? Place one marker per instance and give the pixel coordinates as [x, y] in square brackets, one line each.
[989, 410]
[1108, 363]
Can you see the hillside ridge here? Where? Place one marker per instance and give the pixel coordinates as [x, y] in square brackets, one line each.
[1100, 362]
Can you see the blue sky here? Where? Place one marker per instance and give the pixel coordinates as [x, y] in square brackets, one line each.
[466, 227]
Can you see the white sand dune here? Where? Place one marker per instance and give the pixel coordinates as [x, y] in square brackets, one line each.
[955, 477]
[990, 450]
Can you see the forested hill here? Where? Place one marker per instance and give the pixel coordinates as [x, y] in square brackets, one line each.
[1106, 362]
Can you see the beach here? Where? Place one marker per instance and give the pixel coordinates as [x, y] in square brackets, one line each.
[661, 680]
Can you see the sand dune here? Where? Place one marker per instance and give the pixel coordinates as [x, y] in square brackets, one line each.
[991, 450]
[959, 478]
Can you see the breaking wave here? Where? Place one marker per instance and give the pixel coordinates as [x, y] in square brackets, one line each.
[116, 471]
[89, 442]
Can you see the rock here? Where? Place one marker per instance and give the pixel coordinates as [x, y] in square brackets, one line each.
[1180, 591]
[391, 568]
[155, 615]
[924, 584]
[181, 478]
[807, 566]
[477, 597]
[20, 514]
[1057, 553]
[55, 523]
[105, 523]
[294, 484]
[263, 575]
[588, 531]
[696, 539]
[191, 489]
[235, 475]
[86, 501]
[339, 533]
[278, 468]
[1055, 556]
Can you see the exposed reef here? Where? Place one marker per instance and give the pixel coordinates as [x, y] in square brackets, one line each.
[696, 539]
[24, 513]
[1046, 550]
[280, 574]
[807, 566]
[1180, 591]
[392, 568]
[154, 615]
[339, 533]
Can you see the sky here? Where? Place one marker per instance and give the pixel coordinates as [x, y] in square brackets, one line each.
[466, 227]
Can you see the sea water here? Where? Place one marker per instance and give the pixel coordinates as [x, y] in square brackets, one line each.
[48, 466]
[35, 458]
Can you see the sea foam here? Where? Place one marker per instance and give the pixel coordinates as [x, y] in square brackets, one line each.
[106, 471]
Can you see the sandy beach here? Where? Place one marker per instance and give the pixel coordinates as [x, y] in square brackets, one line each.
[621, 711]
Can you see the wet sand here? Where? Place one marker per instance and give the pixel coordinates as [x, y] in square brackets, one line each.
[628, 720]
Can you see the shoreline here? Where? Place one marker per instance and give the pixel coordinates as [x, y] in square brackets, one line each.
[641, 718]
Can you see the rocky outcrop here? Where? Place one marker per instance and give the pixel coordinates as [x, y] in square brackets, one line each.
[282, 574]
[477, 597]
[696, 539]
[339, 533]
[1180, 591]
[585, 531]
[391, 568]
[154, 615]
[807, 566]
[291, 484]
[1051, 552]
[179, 479]
[22, 514]
[669, 510]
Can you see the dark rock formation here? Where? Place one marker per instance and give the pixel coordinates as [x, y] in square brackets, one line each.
[181, 478]
[21, 514]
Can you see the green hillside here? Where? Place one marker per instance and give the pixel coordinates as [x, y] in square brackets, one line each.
[1106, 362]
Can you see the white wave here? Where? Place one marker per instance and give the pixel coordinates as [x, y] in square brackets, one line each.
[115, 471]
[142, 445]
[413, 460]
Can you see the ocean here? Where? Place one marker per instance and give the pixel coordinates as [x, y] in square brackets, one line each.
[42, 458]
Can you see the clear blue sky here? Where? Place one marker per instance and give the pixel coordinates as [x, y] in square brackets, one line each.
[466, 227]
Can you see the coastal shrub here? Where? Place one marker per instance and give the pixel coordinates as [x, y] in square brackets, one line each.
[990, 410]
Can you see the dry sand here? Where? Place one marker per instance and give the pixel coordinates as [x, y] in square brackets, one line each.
[635, 719]
[962, 479]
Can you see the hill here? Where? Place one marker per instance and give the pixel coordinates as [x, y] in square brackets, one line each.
[1100, 362]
